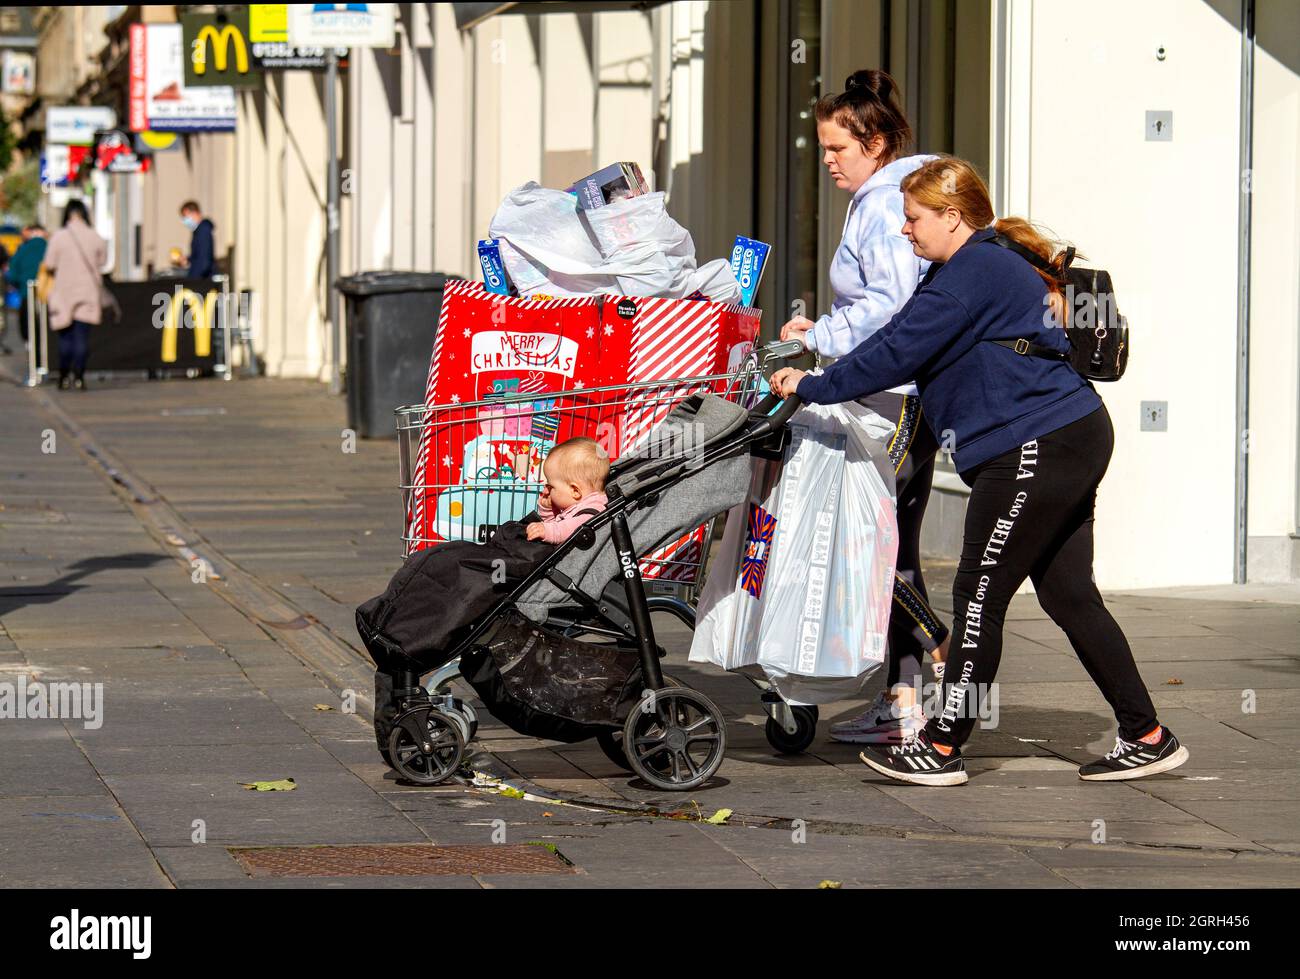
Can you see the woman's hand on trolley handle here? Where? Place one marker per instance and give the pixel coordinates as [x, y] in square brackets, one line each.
[797, 329]
[785, 382]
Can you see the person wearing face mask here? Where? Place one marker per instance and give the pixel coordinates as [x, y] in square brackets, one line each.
[203, 251]
[863, 133]
[1032, 441]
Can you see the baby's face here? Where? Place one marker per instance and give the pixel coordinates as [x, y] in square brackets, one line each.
[560, 491]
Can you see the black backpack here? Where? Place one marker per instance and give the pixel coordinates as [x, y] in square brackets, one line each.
[1098, 334]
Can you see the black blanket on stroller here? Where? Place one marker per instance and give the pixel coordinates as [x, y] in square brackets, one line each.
[434, 600]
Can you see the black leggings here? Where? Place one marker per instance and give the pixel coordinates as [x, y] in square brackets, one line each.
[914, 629]
[1031, 516]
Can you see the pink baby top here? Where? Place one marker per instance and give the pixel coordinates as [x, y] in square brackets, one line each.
[559, 527]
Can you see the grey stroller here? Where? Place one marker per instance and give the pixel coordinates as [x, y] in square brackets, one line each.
[570, 652]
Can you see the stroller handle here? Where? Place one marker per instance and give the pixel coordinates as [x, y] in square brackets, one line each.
[773, 421]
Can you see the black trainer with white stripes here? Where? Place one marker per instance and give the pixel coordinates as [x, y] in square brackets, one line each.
[916, 760]
[1136, 759]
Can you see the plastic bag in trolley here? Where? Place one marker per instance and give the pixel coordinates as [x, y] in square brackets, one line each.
[801, 587]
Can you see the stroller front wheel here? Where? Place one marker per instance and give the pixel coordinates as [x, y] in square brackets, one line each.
[805, 719]
[675, 738]
[426, 746]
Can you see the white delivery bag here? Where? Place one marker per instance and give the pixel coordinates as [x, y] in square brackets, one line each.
[800, 589]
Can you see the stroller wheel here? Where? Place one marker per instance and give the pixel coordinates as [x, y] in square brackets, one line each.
[426, 746]
[675, 738]
[791, 744]
[466, 719]
[611, 742]
[470, 715]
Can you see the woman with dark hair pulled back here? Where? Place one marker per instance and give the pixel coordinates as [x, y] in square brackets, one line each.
[864, 136]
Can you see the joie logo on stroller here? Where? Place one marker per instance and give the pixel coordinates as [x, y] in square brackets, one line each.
[628, 563]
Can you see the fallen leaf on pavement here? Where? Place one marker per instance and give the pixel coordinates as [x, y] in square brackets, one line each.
[1173, 681]
[278, 785]
[322, 707]
[829, 885]
[719, 817]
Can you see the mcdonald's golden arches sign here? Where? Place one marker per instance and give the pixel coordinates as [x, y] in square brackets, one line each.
[218, 50]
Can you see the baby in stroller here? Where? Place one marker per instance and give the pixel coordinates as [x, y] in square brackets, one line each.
[575, 472]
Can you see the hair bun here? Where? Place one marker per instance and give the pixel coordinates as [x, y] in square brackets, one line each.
[871, 80]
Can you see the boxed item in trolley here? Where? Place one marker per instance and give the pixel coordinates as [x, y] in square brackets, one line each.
[494, 269]
[748, 260]
[615, 182]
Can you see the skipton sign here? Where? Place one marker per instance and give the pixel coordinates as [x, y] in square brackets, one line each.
[356, 25]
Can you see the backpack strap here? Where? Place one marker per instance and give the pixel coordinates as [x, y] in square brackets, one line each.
[1030, 256]
[1027, 348]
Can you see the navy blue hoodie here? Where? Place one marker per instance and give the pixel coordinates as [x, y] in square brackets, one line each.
[991, 398]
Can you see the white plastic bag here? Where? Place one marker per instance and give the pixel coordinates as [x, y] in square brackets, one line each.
[800, 592]
[648, 252]
[631, 247]
[545, 245]
[715, 281]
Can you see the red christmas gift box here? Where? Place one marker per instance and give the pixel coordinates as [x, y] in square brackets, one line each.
[479, 461]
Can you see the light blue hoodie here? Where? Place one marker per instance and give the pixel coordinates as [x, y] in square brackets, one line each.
[874, 271]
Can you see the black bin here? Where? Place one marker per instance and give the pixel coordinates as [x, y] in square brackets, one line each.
[391, 321]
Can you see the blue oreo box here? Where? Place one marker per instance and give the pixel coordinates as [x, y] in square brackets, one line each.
[748, 259]
[494, 270]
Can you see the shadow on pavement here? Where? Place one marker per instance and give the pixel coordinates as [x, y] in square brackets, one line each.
[46, 593]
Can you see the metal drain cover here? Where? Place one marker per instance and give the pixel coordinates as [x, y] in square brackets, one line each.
[417, 860]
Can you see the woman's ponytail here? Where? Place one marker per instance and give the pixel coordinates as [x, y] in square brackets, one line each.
[1027, 236]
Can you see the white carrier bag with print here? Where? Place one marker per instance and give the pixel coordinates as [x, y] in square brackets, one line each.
[800, 589]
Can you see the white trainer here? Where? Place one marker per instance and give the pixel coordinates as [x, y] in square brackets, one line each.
[881, 723]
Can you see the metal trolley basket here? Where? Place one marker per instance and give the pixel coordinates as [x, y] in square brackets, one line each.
[502, 440]
[507, 486]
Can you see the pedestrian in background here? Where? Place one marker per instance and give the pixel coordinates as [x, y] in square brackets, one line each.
[75, 256]
[23, 268]
[203, 248]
